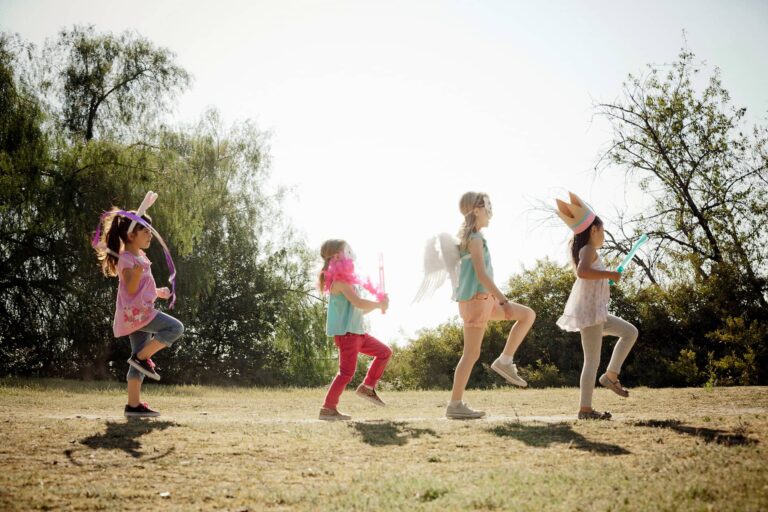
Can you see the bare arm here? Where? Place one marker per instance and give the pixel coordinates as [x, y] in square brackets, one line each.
[365, 305]
[476, 252]
[587, 256]
[132, 276]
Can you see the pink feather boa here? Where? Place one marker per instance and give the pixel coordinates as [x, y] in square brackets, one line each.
[342, 269]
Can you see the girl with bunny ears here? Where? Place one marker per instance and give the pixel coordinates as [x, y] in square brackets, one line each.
[121, 252]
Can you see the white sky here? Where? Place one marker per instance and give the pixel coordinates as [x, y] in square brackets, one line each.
[383, 113]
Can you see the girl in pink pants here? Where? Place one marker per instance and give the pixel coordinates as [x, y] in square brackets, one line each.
[345, 323]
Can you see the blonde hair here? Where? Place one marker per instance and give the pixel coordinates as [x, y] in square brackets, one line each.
[328, 250]
[467, 204]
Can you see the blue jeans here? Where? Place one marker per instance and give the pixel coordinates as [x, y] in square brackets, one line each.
[164, 328]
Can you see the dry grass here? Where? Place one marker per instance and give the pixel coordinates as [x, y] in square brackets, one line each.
[65, 445]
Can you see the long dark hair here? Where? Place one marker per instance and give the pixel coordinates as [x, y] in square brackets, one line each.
[581, 239]
[115, 234]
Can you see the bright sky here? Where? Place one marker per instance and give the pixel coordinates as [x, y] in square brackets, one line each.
[383, 113]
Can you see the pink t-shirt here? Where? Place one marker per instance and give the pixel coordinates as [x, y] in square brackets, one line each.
[132, 312]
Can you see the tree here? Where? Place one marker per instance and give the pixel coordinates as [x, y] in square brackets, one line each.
[111, 84]
[312, 357]
[239, 265]
[243, 283]
[707, 178]
[23, 155]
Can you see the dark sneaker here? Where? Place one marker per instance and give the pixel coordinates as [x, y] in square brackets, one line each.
[327, 414]
[370, 395]
[147, 367]
[140, 411]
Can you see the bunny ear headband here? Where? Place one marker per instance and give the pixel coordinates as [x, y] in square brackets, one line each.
[135, 218]
[148, 201]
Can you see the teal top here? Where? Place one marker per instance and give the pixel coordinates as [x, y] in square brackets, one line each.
[468, 283]
[343, 317]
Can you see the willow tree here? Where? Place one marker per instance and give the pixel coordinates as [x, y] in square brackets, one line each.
[109, 83]
[239, 267]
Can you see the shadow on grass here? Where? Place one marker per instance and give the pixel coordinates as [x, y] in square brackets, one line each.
[386, 433]
[124, 436]
[544, 435]
[709, 435]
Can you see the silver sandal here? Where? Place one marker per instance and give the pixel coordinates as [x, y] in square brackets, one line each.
[594, 415]
[613, 385]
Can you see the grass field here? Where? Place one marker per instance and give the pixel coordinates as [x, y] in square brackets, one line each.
[65, 445]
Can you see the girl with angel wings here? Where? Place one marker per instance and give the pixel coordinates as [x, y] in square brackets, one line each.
[467, 262]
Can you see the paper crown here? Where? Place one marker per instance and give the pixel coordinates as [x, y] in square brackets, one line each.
[576, 214]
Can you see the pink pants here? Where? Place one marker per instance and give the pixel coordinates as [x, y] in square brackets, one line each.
[349, 346]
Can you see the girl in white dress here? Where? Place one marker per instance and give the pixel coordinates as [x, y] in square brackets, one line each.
[587, 308]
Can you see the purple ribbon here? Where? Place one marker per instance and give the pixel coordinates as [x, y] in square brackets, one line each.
[171, 267]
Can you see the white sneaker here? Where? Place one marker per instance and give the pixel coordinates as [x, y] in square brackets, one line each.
[462, 411]
[509, 372]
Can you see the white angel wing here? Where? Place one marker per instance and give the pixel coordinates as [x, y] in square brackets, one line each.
[449, 248]
[434, 271]
[441, 258]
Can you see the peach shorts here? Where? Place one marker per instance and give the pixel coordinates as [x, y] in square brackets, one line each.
[477, 311]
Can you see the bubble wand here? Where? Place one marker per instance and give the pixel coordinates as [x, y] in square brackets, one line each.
[381, 277]
[629, 256]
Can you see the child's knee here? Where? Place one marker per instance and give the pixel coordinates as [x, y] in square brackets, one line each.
[471, 355]
[345, 375]
[529, 315]
[170, 334]
[386, 353]
[177, 331]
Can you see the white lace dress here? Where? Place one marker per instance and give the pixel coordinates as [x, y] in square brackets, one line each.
[587, 304]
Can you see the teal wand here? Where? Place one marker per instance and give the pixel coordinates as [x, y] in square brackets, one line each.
[629, 256]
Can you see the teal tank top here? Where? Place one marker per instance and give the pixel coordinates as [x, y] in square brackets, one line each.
[468, 283]
[343, 317]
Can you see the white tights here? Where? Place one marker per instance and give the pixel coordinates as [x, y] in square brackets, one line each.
[592, 341]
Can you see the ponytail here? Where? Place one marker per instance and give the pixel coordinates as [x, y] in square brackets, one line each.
[114, 236]
[467, 204]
